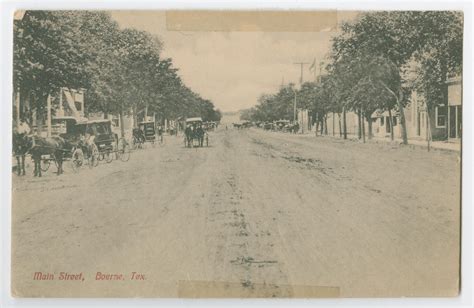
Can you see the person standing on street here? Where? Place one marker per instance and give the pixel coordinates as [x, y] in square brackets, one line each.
[160, 133]
[23, 128]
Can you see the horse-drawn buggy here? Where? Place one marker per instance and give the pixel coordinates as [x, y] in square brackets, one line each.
[144, 133]
[81, 141]
[93, 141]
[194, 134]
[268, 126]
[210, 126]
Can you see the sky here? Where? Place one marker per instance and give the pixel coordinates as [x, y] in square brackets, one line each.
[233, 68]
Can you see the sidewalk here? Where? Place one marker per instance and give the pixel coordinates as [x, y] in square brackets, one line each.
[440, 145]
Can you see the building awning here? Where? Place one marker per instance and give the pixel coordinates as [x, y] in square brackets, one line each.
[455, 93]
[70, 102]
[454, 80]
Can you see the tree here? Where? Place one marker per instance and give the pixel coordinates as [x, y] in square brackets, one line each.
[366, 71]
[439, 56]
[121, 70]
[432, 38]
[46, 56]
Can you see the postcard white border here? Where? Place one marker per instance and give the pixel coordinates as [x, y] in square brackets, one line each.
[6, 16]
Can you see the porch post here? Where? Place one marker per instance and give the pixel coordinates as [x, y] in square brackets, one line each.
[448, 123]
[49, 115]
[456, 122]
[61, 109]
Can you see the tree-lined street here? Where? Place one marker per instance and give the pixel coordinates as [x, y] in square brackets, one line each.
[273, 207]
[375, 64]
[258, 209]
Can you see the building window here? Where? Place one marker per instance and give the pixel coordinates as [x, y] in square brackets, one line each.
[382, 121]
[394, 121]
[440, 113]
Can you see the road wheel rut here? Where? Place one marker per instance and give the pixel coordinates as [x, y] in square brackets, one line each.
[244, 244]
[261, 212]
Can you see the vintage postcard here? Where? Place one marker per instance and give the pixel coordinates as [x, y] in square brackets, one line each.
[236, 154]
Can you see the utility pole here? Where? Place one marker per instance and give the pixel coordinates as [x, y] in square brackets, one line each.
[294, 108]
[319, 76]
[302, 65]
[312, 68]
[315, 74]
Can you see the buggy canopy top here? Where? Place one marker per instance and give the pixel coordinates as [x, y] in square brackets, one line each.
[94, 121]
[196, 119]
[79, 121]
[146, 122]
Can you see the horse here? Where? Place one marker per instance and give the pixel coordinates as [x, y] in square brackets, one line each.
[54, 146]
[189, 133]
[38, 146]
[139, 137]
[199, 135]
[20, 148]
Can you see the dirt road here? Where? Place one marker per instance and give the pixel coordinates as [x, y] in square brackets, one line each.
[260, 213]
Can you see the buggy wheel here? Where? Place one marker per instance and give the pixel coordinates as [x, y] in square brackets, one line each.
[94, 157]
[45, 163]
[77, 159]
[118, 149]
[125, 153]
[108, 156]
[135, 143]
[115, 153]
[123, 150]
